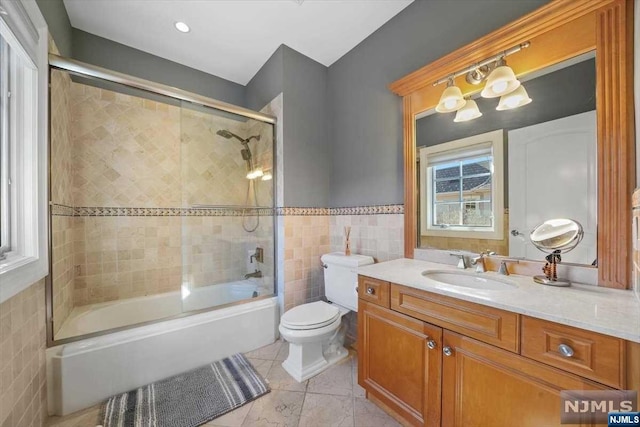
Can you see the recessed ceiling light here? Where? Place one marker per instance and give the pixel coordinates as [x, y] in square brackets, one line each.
[182, 27]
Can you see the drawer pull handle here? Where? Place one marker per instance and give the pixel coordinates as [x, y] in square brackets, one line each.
[447, 351]
[431, 344]
[565, 350]
[371, 291]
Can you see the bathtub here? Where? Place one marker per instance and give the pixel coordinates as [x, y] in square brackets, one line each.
[84, 373]
[92, 318]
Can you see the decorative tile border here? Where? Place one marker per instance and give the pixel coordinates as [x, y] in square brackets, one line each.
[356, 210]
[82, 211]
[368, 210]
[302, 211]
[63, 210]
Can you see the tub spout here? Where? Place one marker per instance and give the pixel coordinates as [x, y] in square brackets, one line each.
[256, 273]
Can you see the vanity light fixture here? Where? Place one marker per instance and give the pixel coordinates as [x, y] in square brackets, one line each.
[470, 111]
[515, 99]
[501, 81]
[182, 27]
[267, 176]
[451, 99]
[500, 78]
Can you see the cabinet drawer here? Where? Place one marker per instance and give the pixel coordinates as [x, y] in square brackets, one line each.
[491, 325]
[594, 356]
[373, 290]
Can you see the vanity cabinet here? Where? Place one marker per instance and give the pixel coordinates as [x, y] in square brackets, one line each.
[438, 361]
[399, 363]
[486, 386]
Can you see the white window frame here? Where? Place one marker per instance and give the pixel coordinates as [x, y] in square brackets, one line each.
[25, 30]
[494, 140]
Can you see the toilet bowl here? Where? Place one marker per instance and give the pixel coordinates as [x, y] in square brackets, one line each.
[312, 333]
[313, 329]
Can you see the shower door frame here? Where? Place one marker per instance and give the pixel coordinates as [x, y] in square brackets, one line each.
[82, 69]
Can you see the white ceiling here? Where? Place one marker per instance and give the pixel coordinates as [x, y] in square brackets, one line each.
[232, 39]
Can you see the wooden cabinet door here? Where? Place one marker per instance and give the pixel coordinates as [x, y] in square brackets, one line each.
[399, 363]
[485, 386]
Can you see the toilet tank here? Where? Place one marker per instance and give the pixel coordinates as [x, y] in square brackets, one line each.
[341, 277]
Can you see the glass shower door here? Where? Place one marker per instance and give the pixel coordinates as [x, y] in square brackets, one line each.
[228, 208]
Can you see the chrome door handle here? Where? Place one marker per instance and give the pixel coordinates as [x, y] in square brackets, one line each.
[431, 344]
[447, 351]
[565, 350]
[371, 291]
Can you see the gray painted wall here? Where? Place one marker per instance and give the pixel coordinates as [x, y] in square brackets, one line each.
[267, 83]
[302, 82]
[58, 22]
[118, 57]
[366, 118]
[307, 155]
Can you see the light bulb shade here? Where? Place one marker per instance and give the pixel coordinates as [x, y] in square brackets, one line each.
[470, 111]
[267, 176]
[501, 81]
[451, 100]
[515, 99]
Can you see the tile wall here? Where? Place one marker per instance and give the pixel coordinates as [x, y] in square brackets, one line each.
[379, 235]
[127, 169]
[23, 393]
[61, 193]
[126, 256]
[306, 238]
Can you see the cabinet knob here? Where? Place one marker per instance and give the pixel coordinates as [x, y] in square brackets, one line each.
[370, 290]
[447, 351]
[565, 350]
[431, 344]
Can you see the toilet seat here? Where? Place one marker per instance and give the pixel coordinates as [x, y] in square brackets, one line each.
[309, 316]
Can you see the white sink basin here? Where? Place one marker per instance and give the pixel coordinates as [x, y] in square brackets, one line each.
[470, 280]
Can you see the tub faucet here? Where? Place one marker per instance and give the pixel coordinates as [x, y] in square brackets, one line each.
[256, 273]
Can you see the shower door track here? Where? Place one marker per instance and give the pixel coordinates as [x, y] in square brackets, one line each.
[84, 69]
[87, 70]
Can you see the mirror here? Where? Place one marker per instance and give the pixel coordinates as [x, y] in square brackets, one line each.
[555, 32]
[557, 234]
[484, 184]
[554, 236]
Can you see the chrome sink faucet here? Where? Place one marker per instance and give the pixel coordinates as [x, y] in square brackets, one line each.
[503, 265]
[462, 263]
[479, 261]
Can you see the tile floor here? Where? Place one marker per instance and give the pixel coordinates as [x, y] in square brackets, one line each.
[332, 398]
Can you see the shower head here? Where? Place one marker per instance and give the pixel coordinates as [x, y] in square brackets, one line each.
[228, 135]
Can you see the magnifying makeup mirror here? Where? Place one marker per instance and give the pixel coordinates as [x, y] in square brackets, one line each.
[553, 237]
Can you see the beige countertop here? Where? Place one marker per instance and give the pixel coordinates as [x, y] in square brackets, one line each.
[607, 311]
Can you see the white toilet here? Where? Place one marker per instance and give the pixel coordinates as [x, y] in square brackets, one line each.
[312, 329]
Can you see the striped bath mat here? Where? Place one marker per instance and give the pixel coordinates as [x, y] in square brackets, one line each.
[189, 399]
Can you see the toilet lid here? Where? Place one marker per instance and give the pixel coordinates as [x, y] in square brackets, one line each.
[313, 315]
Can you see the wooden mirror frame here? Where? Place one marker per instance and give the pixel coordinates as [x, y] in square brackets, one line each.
[557, 31]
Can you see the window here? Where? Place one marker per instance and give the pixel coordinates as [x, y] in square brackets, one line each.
[462, 188]
[23, 131]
